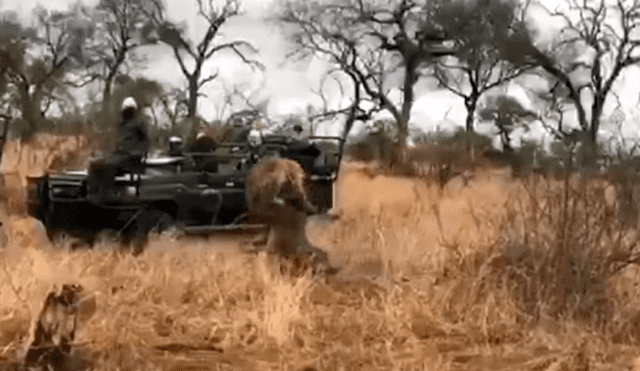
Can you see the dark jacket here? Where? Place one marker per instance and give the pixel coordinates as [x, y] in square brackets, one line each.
[203, 144]
[198, 150]
[133, 137]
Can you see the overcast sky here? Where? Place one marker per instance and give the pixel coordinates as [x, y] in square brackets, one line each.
[288, 86]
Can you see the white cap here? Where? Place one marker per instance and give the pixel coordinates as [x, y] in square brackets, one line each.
[129, 102]
[200, 135]
[175, 139]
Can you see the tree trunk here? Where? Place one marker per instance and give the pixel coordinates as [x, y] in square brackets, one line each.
[596, 112]
[192, 105]
[106, 98]
[105, 121]
[582, 116]
[108, 83]
[403, 134]
[5, 131]
[506, 140]
[351, 117]
[31, 113]
[410, 78]
[471, 103]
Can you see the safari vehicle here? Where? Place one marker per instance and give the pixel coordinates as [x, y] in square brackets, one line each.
[199, 193]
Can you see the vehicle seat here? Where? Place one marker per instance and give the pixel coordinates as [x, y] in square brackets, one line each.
[132, 164]
[207, 163]
[135, 166]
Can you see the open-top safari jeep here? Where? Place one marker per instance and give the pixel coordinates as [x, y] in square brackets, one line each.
[197, 193]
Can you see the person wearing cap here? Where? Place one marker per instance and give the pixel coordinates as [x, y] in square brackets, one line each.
[201, 150]
[299, 147]
[298, 132]
[203, 143]
[176, 148]
[132, 131]
[132, 147]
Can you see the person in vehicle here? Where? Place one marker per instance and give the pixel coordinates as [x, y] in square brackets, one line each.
[176, 149]
[132, 131]
[237, 132]
[300, 148]
[132, 147]
[298, 132]
[203, 143]
[300, 143]
[201, 150]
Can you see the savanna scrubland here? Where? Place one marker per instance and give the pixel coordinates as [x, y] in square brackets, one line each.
[485, 272]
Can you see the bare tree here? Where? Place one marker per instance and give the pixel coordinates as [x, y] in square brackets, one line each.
[599, 39]
[174, 104]
[477, 66]
[34, 62]
[62, 37]
[371, 44]
[507, 114]
[187, 52]
[123, 25]
[243, 96]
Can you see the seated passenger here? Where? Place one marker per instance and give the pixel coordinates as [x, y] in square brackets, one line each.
[237, 133]
[201, 150]
[176, 148]
[133, 144]
[203, 143]
[300, 149]
[298, 132]
[299, 144]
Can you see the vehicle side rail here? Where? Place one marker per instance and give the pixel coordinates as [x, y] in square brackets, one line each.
[331, 137]
[221, 156]
[205, 229]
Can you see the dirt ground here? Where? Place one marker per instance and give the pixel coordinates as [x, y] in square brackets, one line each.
[410, 294]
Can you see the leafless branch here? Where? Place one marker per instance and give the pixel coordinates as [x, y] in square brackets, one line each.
[607, 29]
[343, 31]
[207, 79]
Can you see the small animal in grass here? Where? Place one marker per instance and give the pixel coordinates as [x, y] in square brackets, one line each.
[54, 331]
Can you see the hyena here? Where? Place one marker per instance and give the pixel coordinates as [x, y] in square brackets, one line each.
[275, 191]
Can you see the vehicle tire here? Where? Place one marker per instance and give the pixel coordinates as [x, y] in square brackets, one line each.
[164, 224]
[151, 221]
[61, 223]
[160, 221]
[135, 238]
[54, 222]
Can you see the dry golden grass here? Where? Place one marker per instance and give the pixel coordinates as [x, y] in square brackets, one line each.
[497, 274]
